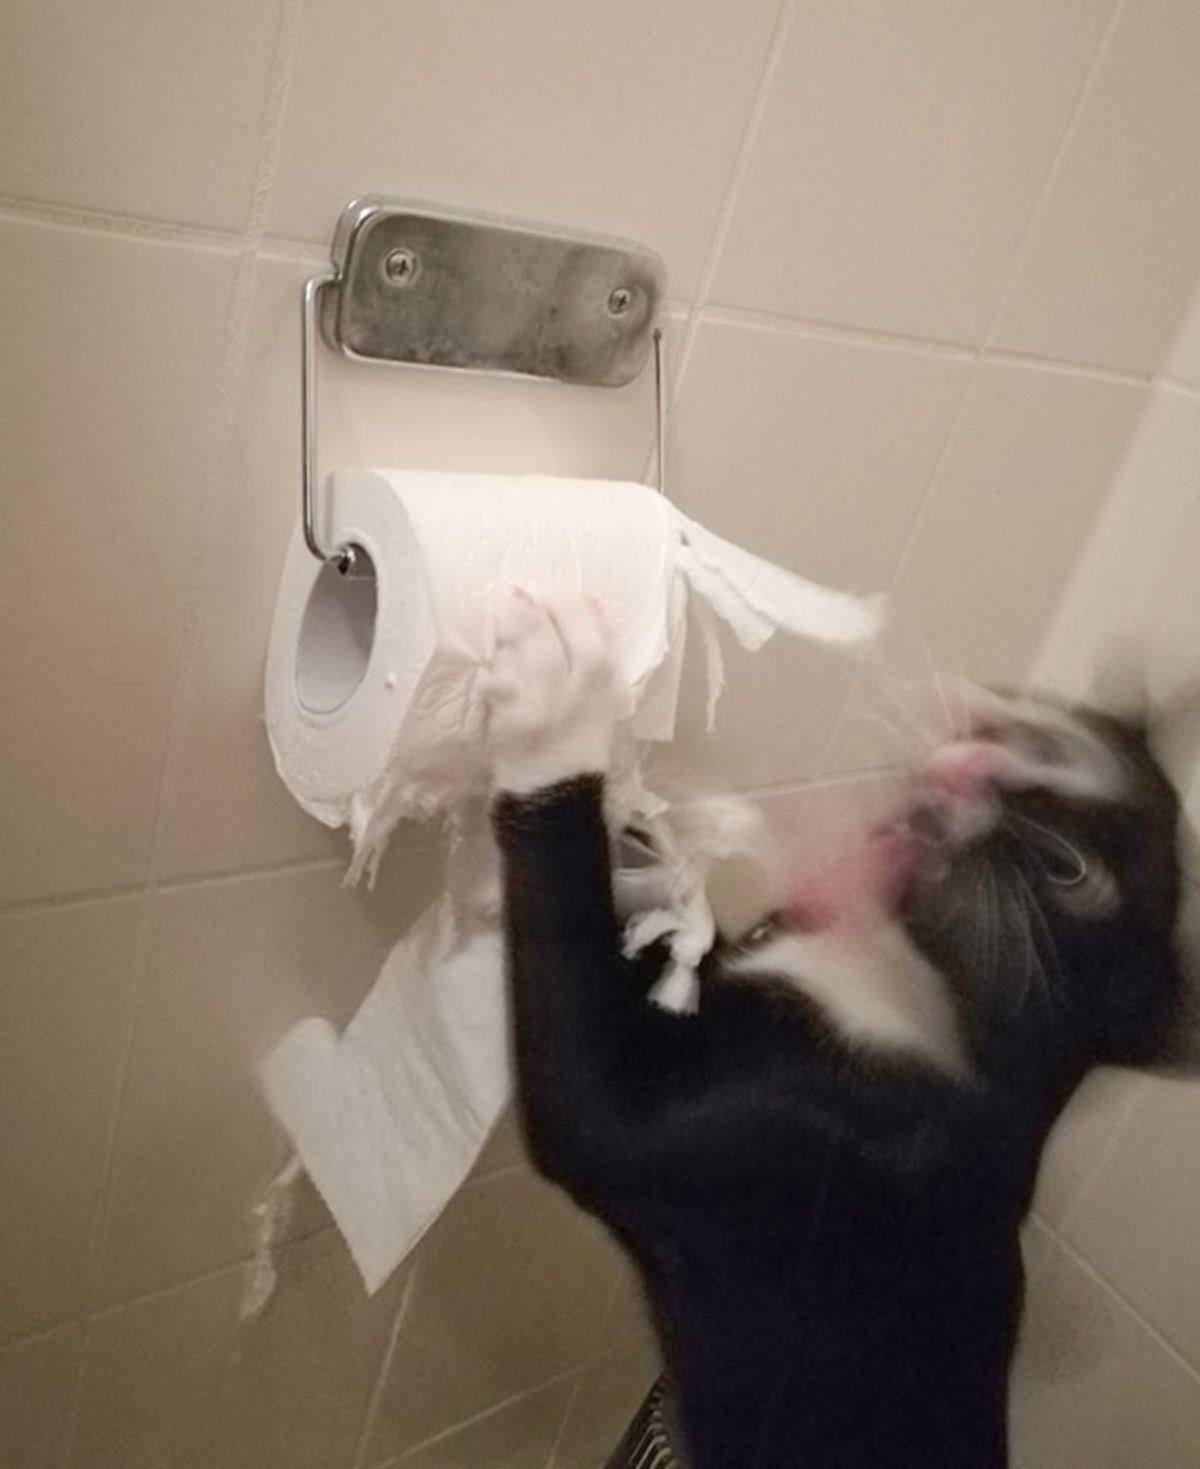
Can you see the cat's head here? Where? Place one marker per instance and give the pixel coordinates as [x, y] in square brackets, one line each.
[1047, 878]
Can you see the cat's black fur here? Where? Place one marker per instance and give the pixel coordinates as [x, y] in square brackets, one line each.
[828, 1232]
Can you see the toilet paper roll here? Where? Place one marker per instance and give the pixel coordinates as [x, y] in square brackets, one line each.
[371, 680]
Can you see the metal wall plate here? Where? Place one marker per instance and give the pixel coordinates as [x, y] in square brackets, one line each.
[443, 289]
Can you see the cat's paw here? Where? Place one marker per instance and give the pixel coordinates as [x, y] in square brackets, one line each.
[551, 692]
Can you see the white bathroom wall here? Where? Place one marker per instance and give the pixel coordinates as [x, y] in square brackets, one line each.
[925, 261]
[1114, 1339]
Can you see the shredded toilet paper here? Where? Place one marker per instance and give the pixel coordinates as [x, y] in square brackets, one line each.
[373, 718]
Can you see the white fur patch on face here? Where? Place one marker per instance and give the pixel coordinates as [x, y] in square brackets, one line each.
[551, 692]
[876, 991]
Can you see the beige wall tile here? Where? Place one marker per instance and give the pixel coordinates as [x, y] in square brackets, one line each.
[68, 978]
[135, 108]
[505, 1148]
[1183, 363]
[109, 384]
[1033, 458]
[611, 1390]
[1133, 597]
[180, 1380]
[1032, 462]
[773, 719]
[1135, 1222]
[37, 1382]
[225, 807]
[1082, 1138]
[899, 159]
[519, 1435]
[627, 1326]
[511, 1289]
[901, 706]
[1111, 265]
[613, 117]
[1092, 1388]
[230, 966]
[1184, 360]
[816, 453]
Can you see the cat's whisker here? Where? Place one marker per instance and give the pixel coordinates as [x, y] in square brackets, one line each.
[962, 706]
[908, 697]
[935, 677]
[1045, 954]
[905, 738]
[1029, 971]
[993, 925]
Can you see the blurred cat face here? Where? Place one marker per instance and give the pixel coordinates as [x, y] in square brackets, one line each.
[1047, 871]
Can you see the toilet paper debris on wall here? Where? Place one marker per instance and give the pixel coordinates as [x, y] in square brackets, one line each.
[373, 717]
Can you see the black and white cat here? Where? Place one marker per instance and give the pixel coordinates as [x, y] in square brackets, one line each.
[821, 1175]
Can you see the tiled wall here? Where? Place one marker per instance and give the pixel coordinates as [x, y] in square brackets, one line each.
[927, 262]
[1109, 1374]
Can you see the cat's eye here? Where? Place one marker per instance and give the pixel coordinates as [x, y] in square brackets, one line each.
[1080, 882]
[1061, 861]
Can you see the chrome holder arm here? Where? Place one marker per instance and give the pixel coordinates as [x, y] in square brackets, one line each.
[343, 556]
[660, 411]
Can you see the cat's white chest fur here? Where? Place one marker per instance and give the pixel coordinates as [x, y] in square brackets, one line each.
[878, 991]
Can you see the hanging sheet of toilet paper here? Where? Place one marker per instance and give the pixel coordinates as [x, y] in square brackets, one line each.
[373, 717]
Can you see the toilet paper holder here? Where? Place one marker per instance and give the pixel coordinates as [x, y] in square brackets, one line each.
[442, 288]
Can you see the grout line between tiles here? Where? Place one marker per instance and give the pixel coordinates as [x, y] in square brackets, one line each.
[398, 847]
[741, 164]
[564, 1422]
[1099, 1162]
[324, 1230]
[1019, 256]
[375, 1396]
[1106, 1285]
[823, 781]
[216, 459]
[232, 374]
[129, 226]
[1052, 174]
[55, 902]
[294, 252]
[396, 1460]
[823, 330]
[97, 1234]
[40, 1333]
[1179, 386]
[88, 1318]
[985, 349]
[248, 874]
[75, 1400]
[58, 902]
[1094, 372]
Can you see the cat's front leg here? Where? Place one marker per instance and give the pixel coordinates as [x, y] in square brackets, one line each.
[579, 1016]
[618, 1098]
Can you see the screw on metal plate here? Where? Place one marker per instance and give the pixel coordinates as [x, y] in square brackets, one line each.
[439, 288]
[402, 266]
